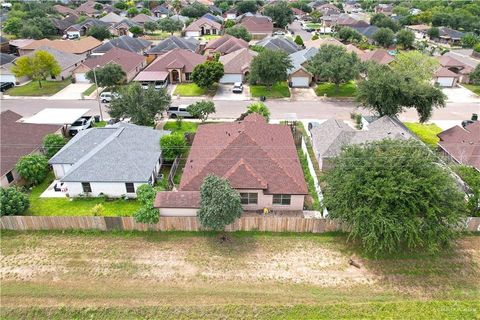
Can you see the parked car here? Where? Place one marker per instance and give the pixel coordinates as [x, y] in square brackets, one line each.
[107, 96]
[6, 85]
[81, 124]
[73, 36]
[237, 87]
[178, 111]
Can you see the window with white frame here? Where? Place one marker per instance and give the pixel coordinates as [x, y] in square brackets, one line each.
[282, 199]
[249, 198]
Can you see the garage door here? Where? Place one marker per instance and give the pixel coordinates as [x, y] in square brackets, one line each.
[299, 82]
[231, 78]
[81, 77]
[445, 82]
[7, 78]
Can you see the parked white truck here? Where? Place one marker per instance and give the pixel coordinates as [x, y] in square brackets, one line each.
[82, 123]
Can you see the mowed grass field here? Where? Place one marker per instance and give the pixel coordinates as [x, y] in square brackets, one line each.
[180, 275]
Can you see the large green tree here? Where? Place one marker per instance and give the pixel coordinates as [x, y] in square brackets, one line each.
[415, 65]
[239, 32]
[219, 203]
[147, 213]
[173, 145]
[38, 66]
[260, 108]
[33, 168]
[269, 67]
[405, 38]
[207, 73]
[394, 195]
[170, 25]
[280, 13]
[52, 143]
[347, 34]
[475, 75]
[246, 6]
[13, 201]
[334, 64]
[201, 109]
[107, 76]
[384, 37]
[99, 32]
[141, 105]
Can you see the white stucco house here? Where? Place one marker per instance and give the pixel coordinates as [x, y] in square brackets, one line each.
[112, 161]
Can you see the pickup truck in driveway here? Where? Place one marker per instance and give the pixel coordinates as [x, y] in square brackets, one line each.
[82, 123]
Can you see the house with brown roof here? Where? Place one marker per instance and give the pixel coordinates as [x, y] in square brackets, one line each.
[174, 66]
[258, 159]
[202, 27]
[258, 26]
[462, 144]
[461, 69]
[141, 18]
[236, 65]
[380, 56]
[385, 8]
[130, 62]
[88, 8]
[122, 28]
[445, 78]
[18, 139]
[81, 47]
[328, 9]
[419, 30]
[224, 45]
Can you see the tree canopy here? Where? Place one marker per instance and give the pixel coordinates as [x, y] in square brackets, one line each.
[99, 32]
[246, 6]
[405, 38]
[394, 195]
[108, 76]
[170, 25]
[201, 109]
[52, 143]
[260, 108]
[415, 65]
[347, 34]
[13, 201]
[38, 67]
[269, 67]
[239, 32]
[195, 10]
[33, 168]
[141, 105]
[280, 13]
[173, 145]
[475, 75]
[384, 37]
[207, 73]
[382, 21]
[147, 213]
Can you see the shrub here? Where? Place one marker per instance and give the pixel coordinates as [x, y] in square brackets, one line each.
[52, 143]
[173, 145]
[33, 168]
[13, 201]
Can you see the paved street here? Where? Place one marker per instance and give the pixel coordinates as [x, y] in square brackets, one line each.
[296, 27]
[232, 109]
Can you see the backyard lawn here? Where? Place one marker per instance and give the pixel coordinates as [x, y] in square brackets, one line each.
[75, 207]
[189, 90]
[254, 275]
[90, 90]
[345, 90]
[475, 88]
[185, 126]
[425, 132]
[279, 90]
[32, 88]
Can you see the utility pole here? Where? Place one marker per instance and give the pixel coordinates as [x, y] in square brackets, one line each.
[98, 96]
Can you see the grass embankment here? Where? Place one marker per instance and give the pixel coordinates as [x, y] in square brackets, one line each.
[184, 275]
[75, 207]
[475, 88]
[90, 90]
[346, 90]
[425, 132]
[32, 89]
[277, 91]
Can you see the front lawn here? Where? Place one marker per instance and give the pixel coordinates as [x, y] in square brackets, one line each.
[279, 90]
[76, 207]
[425, 132]
[345, 90]
[189, 90]
[475, 88]
[185, 126]
[314, 25]
[32, 88]
[90, 90]
[99, 124]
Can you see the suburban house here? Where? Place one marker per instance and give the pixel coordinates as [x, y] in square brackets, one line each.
[352, 6]
[67, 61]
[131, 44]
[111, 161]
[175, 66]
[4, 45]
[111, 18]
[258, 159]
[449, 35]
[6, 64]
[386, 9]
[180, 18]
[236, 65]
[258, 26]
[122, 28]
[367, 31]
[320, 42]
[64, 11]
[344, 20]
[202, 27]
[171, 43]
[17, 44]
[63, 24]
[446, 78]
[130, 62]
[279, 43]
[18, 139]
[161, 11]
[141, 18]
[329, 137]
[462, 144]
[88, 8]
[213, 17]
[380, 56]
[299, 14]
[80, 29]
[224, 45]
[419, 30]
[298, 75]
[459, 65]
[230, 14]
[82, 47]
[328, 9]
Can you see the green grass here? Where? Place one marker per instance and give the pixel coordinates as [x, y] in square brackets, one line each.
[279, 90]
[210, 37]
[100, 124]
[425, 132]
[90, 90]
[314, 25]
[189, 90]
[475, 88]
[32, 88]
[345, 90]
[315, 205]
[75, 207]
[186, 126]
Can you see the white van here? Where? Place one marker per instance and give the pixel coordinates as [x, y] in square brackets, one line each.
[107, 96]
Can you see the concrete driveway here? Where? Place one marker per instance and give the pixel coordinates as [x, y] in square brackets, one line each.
[224, 92]
[71, 92]
[460, 95]
[303, 94]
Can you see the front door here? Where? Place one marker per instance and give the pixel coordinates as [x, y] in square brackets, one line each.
[175, 76]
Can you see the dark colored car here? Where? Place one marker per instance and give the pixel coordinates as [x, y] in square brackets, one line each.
[4, 86]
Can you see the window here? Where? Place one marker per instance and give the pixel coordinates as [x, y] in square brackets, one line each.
[281, 199]
[130, 187]
[10, 177]
[187, 76]
[249, 198]
[86, 187]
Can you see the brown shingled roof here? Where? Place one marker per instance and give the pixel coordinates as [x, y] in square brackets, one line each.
[380, 56]
[176, 58]
[226, 44]
[177, 199]
[197, 24]
[71, 46]
[257, 24]
[125, 59]
[463, 144]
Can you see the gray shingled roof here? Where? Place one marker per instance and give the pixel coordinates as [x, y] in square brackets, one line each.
[126, 43]
[300, 57]
[6, 58]
[366, 31]
[120, 153]
[279, 43]
[174, 42]
[64, 59]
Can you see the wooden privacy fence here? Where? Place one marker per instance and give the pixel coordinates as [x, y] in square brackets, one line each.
[260, 223]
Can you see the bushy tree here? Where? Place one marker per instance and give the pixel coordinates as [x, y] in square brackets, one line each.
[260, 108]
[173, 145]
[228, 24]
[347, 34]
[405, 38]
[30, 32]
[433, 32]
[38, 28]
[33, 168]
[280, 13]
[334, 64]
[13, 201]
[201, 109]
[316, 16]
[382, 21]
[471, 177]
[194, 10]
[207, 73]
[136, 31]
[107, 76]
[394, 195]
[121, 5]
[13, 25]
[147, 213]
[38, 67]
[246, 6]
[475, 75]
[269, 67]
[220, 204]
[302, 6]
[384, 37]
[150, 26]
[470, 39]
[139, 104]
[99, 32]
[170, 25]
[52, 143]
[145, 11]
[315, 37]
[132, 12]
[415, 65]
[298, 40]
[239, 32]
